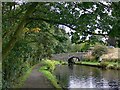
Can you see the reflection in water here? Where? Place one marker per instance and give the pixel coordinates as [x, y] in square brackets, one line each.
[79, 83]
[70, 66]
[77, 76]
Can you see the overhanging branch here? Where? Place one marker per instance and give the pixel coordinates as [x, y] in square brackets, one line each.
[62, 23]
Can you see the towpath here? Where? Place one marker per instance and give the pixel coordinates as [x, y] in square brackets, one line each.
[37, 80]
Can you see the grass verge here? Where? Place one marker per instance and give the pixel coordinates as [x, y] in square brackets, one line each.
[47, 69]
[91, 63]
[104, 65]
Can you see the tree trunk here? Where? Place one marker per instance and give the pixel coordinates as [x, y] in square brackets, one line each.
[18, 30]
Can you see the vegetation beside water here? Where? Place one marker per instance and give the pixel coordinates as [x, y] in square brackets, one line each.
[105, 64]
[35, 31]
[49, 66]
[99, 61]
[47, 69]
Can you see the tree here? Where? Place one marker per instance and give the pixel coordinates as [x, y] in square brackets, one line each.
[19, 29]
[83, 17]
[98, 51]
[35, 43]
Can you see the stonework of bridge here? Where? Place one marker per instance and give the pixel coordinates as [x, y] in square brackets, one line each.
[66, 56]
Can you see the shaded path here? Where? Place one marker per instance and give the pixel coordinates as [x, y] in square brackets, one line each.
[37, 80]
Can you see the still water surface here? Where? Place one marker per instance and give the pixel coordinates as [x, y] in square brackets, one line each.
[78, 76]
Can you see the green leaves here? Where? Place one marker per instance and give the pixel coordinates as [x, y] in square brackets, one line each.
[99, 50]
[75, 38]
[84, 18]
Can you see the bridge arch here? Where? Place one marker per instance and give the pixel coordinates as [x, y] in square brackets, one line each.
[73, 59]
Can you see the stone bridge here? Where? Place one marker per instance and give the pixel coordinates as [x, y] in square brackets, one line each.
[65, 56]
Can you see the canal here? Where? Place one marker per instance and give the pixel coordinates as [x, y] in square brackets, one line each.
[79, 76]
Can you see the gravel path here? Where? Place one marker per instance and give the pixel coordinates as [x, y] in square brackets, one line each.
[37, 80]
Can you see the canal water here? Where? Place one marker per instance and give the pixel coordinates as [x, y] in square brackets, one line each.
[79, 76]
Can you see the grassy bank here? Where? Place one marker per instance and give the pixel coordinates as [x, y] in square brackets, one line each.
[105, 65]
[47, 69]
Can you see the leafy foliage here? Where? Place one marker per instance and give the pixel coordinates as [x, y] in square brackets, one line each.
[80, 47]
[99, 50]
[47, 70]
[31, 31]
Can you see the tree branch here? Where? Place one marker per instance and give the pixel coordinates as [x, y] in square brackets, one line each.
[58, 22]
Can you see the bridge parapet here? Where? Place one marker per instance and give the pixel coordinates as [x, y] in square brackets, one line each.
[66, 56]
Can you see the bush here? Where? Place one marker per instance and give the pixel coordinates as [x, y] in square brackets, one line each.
[49, 65]
[47, 69]
[98, 51]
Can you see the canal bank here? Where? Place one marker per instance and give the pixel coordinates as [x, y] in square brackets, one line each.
[47, 68]
[103, 65]
[104, 68]
[59, 76]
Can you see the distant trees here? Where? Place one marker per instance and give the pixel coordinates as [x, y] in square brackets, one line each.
[80, 47]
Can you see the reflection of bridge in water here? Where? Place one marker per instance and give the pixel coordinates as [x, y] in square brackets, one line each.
[66, 56]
